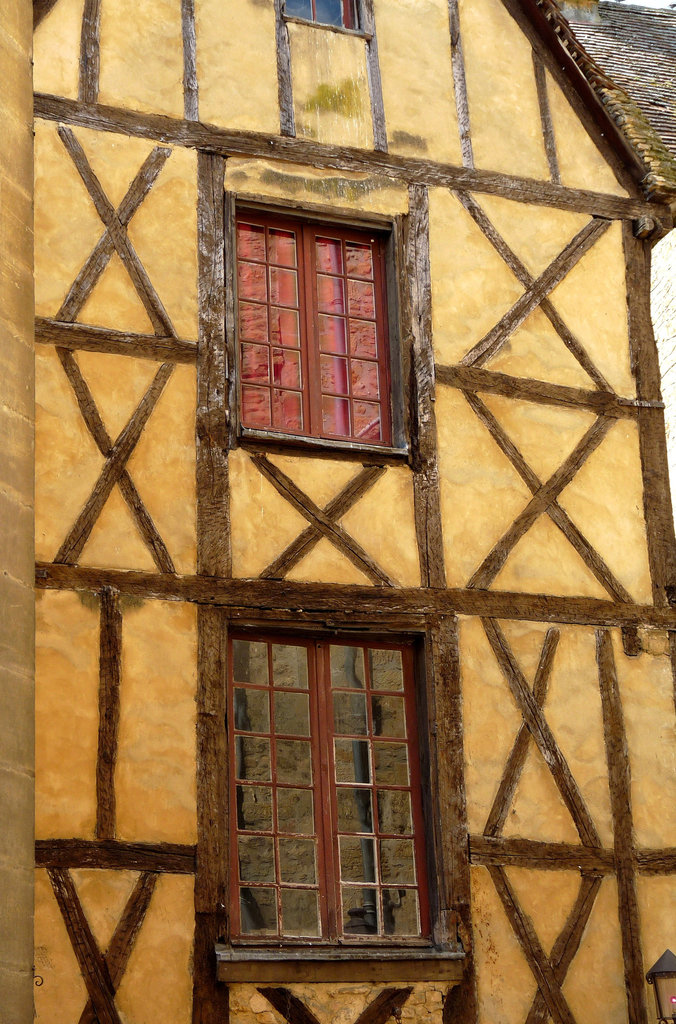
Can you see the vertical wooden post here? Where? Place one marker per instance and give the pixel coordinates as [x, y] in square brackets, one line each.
[210, 998]
[110, 651]
[619, 776]
[90, 56]
[460, 85]
[374, 79]
[287, 120]
[423, 420]
[190, 87]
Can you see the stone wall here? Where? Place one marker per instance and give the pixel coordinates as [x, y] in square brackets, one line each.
[16, 515]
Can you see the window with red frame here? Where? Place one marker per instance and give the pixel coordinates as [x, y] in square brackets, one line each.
[327, 822]
[312, 324]
[342, 13]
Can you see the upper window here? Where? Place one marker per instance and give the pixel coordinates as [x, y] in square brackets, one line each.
[313, 336]
[342, 13]
[327, 831]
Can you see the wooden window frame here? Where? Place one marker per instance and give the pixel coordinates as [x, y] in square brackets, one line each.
[307, 220]
[351, 17]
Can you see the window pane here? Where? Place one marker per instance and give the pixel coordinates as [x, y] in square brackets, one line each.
[360, 911]
[250, 662]
[253, 322]
[250, 242]
[254, 808]
[297, 861]
[299, 8]
[364, 379]
[286, 368]
[256, 859]
[255, 363]
[330, 294]
[300, 914]
[386, 670]
[363, 339]
[289, 666]
[366, 421]
[329, 255]
[258, 911]
[391, 764]
[362, 299]
[394, 812]
[287, 410]
[347, 667]
[330, 12]
[397, 861]
[332, 334]
[388, 716]
[282, 247]
[252, 710]
[294, 811]
[283, 287]
[336, 416]
[359, 260]
[294, 763]
[253, 758]
[255, 407]
[352, 761]
[349, 714]
[334, 375]
[251, 281]
[292, 714]
[400, 912]
[357, 859]
[284, 329]
[355, 813]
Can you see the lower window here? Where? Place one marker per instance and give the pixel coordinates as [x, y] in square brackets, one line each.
[325, 790]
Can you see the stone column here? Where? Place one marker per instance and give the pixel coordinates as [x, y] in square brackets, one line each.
[16, 514]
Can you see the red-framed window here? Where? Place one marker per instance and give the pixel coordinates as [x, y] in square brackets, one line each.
[327, 825]
[312, 328]
[342, 13]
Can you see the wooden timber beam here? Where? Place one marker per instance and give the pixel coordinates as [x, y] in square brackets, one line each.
[345, 603]
[226, 142]
[103, 339]
[172, 858]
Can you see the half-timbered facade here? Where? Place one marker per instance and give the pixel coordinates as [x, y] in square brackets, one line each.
[353, 534]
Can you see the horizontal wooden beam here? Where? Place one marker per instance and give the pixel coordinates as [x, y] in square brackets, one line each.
[227, 142]
[529, 853]
[102, 339]
[171, 858]
[346, 603]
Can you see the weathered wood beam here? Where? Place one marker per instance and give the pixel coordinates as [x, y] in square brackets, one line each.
[341, 600]
[374, 79]
[460, 85]
[90, 55]
[546, 119]
[115, 854]
[190, 86]
[197, 135]
[110, 656]
[287, 117]
[77, 337]
[529, 853]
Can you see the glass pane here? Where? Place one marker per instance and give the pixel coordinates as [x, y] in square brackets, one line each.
[294, 763]
[347, 667]
[332, 334]
[334, 375]
[283, 287]
[252, 710]
[297, 861]
[255, 363]
[386, 670]
[256, 859]
[330, 12]
[391, 764]
[282, 247]
[349, 714]
[255, 407]
[359, 260]
[357, 859]
[336, 416]
[360, 911]
[292, 714]
[250, 242]
[252, 755]
[253, 322]
[289, 666]
[366, 421]
[300, 914]
[286, 368]
[330, 294]
[396, 861]
[258, 911]
[294, 811]
[394, 812]
[364, 379]
[329, 255]
[363, 339]
[354, 810]
[388, 716]
[251, 281]
[254, 808]
[284, 329]
[250, 662]
[400, 912]
[287, 410]
[352, 761]
[362, 299]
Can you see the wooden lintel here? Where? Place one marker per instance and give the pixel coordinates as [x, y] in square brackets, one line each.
[226, 142]
[334, 599]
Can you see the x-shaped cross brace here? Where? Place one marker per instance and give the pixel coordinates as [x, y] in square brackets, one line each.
[102, 972]
[294, 1010]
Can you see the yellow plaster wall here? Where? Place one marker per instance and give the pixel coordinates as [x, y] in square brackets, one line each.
[155, 772]
[330, 86]
[56, 50]
[417, 79]
[341, 1004]
[62, 996]
[237, 71]
[66, 714]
